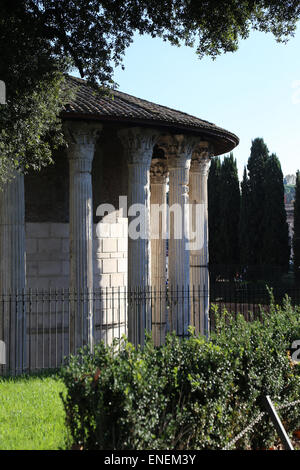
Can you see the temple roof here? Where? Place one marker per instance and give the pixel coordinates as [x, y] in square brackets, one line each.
[127, 109]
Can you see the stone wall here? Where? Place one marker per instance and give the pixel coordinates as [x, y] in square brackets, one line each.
[48, 246]
[110, 252]
[47, 264]
[47, 254]
[47, 218]
[47, 192]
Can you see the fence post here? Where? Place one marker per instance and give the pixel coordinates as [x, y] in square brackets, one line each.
[277, 423]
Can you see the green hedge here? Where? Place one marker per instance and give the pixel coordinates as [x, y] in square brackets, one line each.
[188, 394]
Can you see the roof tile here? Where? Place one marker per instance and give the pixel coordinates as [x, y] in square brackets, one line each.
[128, 108]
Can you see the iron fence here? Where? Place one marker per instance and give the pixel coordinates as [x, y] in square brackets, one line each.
[248, 299]
[40, 328]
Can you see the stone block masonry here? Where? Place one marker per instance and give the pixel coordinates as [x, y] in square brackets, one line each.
[111, 252]
[48, 267]
[47, 254]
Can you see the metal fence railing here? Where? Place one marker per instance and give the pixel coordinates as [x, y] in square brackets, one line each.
[249, 298]
[42, 327]
[39, 328]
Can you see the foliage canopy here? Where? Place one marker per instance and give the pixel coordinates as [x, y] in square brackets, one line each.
[40, 40]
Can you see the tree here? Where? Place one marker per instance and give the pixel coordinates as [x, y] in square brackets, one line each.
[95, 34]
[264, 238]
[244, 239]
[229, 212]
[30, 127]
[276, 250]
[296, 238]
[224, 213]
[256, 194]
[41, 39]
[214, 215]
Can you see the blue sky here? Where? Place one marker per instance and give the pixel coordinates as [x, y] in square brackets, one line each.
[254, 92]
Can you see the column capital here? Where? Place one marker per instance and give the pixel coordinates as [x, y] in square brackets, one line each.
[82, 138]
[158, 171]
[82, 133]
[201, 158]
[178, 149]
[138, 143]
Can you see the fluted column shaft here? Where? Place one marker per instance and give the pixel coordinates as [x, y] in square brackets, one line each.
[178, 150]
[199, 256]
[139, 248]
[82, 140]
[81, 274]
[12, 270]
[138, 145]
[158, 186]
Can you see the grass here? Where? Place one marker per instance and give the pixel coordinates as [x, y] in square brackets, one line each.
[31, 413]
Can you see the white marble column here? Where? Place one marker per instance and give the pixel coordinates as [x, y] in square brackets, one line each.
[12, 271]
[158, 199]
[199, 271]
[82, 138]
[138, 146]
[178, 149]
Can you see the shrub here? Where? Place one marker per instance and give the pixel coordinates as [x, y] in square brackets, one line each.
[260, 354]
[188, 394]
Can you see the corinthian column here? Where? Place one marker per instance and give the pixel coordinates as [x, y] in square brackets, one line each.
[199, 272]
[138, 145]
[82, 138]
[158, 186]
[12, 271]
[178, 149]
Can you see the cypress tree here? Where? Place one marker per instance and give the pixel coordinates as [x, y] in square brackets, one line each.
[296, 238]
[259, 155]
[276, 250]
[264, 239]
[214, 182]
[229, 213]
[244, 240]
